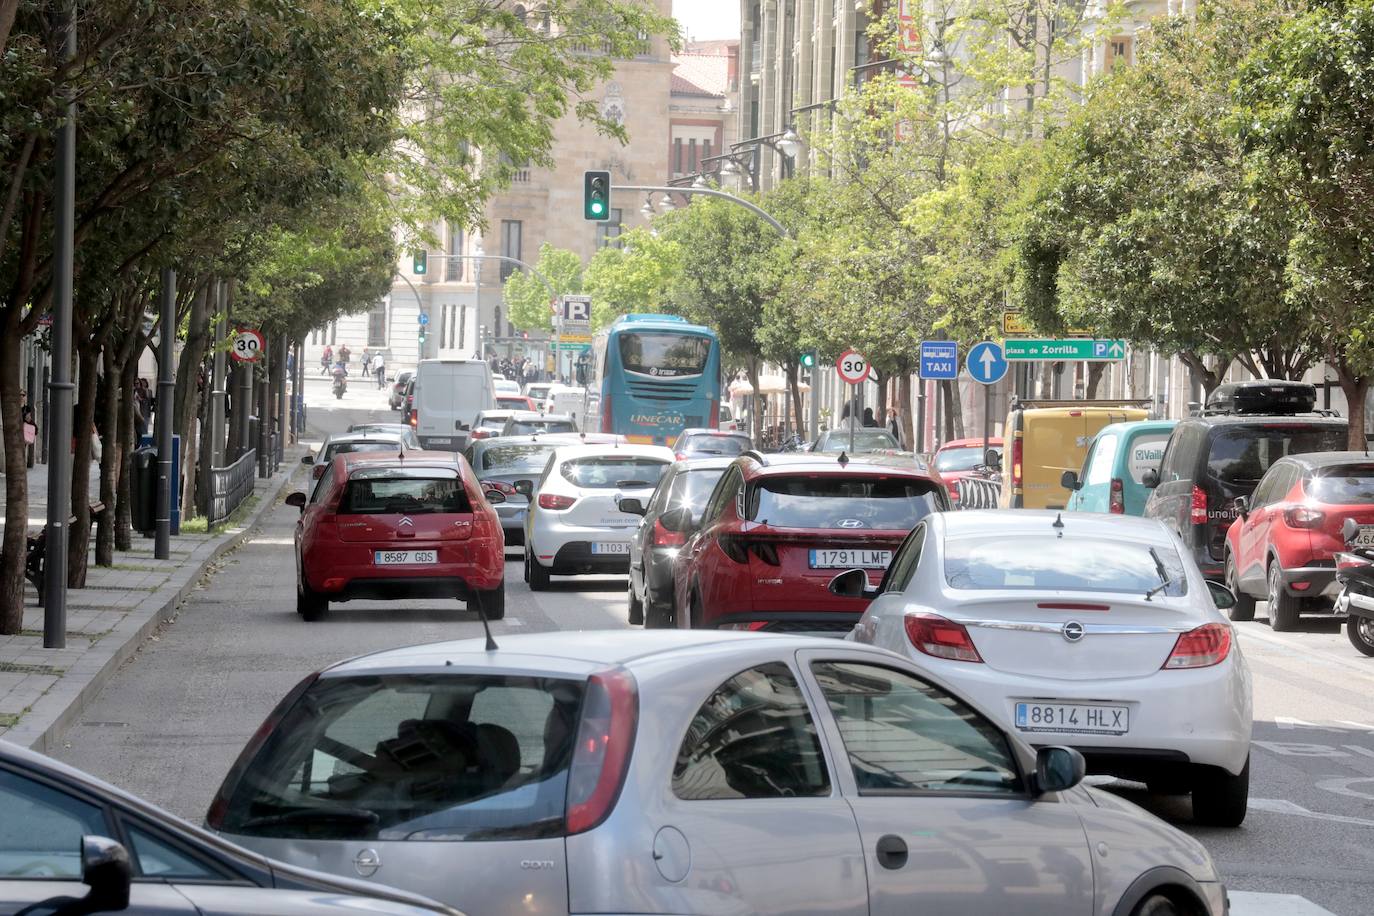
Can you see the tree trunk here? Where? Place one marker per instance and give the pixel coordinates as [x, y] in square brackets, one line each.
[83, 419]
[111, 457]
[758, 403]
[905, 413]
[16, 482]
[797, 405]
[1095, 373]
[8, 9]
[188, 395]
[1356, 391]
[123, 515]
[1209, 378]
[880, 412]
[954, 411]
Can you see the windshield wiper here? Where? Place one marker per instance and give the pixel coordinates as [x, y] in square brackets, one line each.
[1164, 580]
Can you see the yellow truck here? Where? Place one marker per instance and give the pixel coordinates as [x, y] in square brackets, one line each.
[1046, 438]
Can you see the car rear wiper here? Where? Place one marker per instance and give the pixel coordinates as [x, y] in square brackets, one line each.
[310, 815]
[1164, 580]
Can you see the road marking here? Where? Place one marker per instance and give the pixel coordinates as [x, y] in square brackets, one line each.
[1326, 658]
[1250, 903]
[1341, 786]
[514, 622]
[1283, 806]
[1290, 722]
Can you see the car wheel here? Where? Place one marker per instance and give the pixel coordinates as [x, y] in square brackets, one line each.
[1284, 609]
[538, 576]
[1361, 633]
[1219, 799]
[1244, 608]
[698, 613]
[658, 615]
[636, 606]
[310, 604]
[1158, 905]
[491, 603]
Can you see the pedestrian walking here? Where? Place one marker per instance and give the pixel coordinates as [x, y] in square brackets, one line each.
[379, 367]
[344, 354]
[326, 359]
[367, 361]
[869, 419]
[893, 426]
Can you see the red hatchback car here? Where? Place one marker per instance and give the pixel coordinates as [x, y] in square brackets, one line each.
[382, 525]
[958, 458]
[1282, 547]
[777, 528]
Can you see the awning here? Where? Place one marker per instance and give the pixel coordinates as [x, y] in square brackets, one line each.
[768, 384]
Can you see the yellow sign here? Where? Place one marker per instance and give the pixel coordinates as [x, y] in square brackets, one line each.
[1013, 325]
[576, 338]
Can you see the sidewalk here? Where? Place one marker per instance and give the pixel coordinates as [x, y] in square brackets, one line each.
[44, 690]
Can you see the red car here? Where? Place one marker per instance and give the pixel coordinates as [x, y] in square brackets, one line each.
[1282, 547]
[382, 525]
[514, 402]
[777, 528]
[958, 458]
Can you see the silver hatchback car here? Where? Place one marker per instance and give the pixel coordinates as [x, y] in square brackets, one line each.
[695, 771]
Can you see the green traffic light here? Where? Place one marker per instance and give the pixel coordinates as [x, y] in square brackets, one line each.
[598, 208]
[808, 360]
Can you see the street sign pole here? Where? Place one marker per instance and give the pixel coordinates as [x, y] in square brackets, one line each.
[853, 368]
[987, 418]
[166, 394]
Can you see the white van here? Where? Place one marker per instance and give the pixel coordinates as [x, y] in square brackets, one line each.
[568, 400]
[449, 393]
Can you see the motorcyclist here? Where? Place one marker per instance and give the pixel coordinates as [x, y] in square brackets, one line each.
[341, 373]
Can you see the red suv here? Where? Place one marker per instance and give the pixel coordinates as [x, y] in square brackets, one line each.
[777, 528]
[1282, 547]
[960, 458]
[382, 525]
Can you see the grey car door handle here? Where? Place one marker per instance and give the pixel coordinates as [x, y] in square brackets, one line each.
[891, 851]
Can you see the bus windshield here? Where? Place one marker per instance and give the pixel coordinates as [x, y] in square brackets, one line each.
[664, 355]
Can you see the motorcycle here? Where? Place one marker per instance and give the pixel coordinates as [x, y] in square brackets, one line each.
[1355, 572]
[340, 386]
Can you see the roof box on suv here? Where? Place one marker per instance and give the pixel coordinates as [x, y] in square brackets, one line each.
[1265, 396]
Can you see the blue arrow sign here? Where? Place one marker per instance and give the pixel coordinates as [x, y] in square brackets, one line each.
[424, 319]
[986, 363]
[939, 359]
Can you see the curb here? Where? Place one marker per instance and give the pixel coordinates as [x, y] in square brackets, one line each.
[41, 729]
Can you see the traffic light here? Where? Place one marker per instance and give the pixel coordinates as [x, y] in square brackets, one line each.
[808, 359]
[596, 196]
[420, 264]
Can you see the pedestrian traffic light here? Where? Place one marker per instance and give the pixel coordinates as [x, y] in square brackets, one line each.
[423, 332]
[596, 196]
[421, 266]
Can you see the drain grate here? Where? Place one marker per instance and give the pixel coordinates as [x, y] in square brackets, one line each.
[16, 668]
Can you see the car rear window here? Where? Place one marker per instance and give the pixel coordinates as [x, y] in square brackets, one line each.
[343, 448]
[1146, 452]
[716, 445]
[1049, 563]
[960, 459]
[403, 491]
[834, 501]
[611, 471]
[664, 355]
[517, 402]
[1240, 455]
[530, 457]
[413, 757]
[692, 488]
[1343, 485]
[530, 427]
[865, 440]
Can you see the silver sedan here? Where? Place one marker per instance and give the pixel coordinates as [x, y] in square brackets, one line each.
[691, 771]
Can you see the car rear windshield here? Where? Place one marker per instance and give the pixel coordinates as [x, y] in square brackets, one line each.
[1343, 485]
[865, 440]
[849, 503]
[1051, 563]
[529, 457]
[716, 445]
[629, 471]
[1240, 455]
[413, 757]
[518, 403]
[960, 459]
[343, 448]
[403, 491]
[692, 488]
[530, 427]
[664, 355]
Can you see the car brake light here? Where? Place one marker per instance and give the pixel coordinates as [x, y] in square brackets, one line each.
[1201, 647]
[1197, 512]
[1346, 562]
[953, 491]
[679, 455]
[665, 538]
[610, 715]
[479, 434]
[554, 501]
[1116, 503]
[1016, 462]
[941, 637]
[733, 547]
[414, 421]
[1303, 517]
[500, 486]
[607, 418]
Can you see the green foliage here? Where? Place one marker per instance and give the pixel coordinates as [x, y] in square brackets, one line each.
[527, 298]
[637, 276]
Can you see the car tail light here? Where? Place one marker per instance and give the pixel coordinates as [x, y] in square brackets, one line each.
[714, 420]
[607, 418]
[1016, 462]
[1116, 501]
[1197, 511]
[555, 501]
[733, 547]
[1348, 562]
[679, 455]
[479, 434]
[610, 715]
[953, 486]
[941, 637]
[500, 486]
[1201, 647]
[414, 420]
[665, 538]
[1303, 517]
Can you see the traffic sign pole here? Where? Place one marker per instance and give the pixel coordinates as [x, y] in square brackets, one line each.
[853, 368]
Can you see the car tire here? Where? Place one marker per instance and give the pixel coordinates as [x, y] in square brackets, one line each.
[490, 603]
[310, 604]
[698, 613]
[1284, 609]
[1244, 608]
[1361, 633]
[1158, 905]
[658, 615]
[1220, 799]
[636, 606]
[536, 575]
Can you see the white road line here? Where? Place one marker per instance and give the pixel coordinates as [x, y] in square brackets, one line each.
[1262, 634]
[1290, 722]
[1283, 806]
[1250, 903]
[513, 622]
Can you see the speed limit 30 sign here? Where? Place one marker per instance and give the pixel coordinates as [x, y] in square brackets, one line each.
[852, 367]
[248, 345]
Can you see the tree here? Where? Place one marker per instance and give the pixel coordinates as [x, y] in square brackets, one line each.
[527, 298]
[636, 276]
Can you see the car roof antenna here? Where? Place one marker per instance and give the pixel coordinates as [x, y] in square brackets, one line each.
[843, 459]
[486, 626]
[1059, 523]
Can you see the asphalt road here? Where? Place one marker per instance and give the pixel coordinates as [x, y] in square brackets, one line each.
[171, 722]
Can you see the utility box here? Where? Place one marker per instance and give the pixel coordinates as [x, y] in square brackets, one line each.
[143, 490]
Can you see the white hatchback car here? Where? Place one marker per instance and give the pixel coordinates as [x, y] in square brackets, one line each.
[574, 524]
[1094, 631]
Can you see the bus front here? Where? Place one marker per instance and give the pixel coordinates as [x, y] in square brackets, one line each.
[661, 377]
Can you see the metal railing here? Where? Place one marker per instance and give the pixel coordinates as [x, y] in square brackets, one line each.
[229, 487]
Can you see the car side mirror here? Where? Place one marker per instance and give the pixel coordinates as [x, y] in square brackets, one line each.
[1222, 596]
[678, 520]
[495, 497]
[524, 487]
[307, 459]
[317, 472]
[1350, 530]
[462, 427]
[852, 583]
[992, 459]
[631, 505]
[1150, 479]
[296, 499]
[1069, 480]
[1242, 505]
[106, 871]
[1057, 769]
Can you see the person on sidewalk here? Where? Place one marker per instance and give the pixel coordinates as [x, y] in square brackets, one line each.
[379, 367]
[367, 361]
[869, 420]
[326, 359]
[30, 427]
[345, 354]
[893, 425]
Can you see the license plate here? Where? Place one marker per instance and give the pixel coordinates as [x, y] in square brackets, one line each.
[1366, 536]
[438, 440]
[404, 557]
[603, 548]
[850, 558]
[1073, 718]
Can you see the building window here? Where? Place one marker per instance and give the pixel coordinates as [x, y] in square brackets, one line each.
[376, 325]
[692, 155]
[463, 327]
[608, 233]
[677, 156]
[511, 231]
[453, 266]
[1118, 52]
[705, 149]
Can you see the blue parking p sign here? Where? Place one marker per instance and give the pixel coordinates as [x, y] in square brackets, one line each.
[939, 359]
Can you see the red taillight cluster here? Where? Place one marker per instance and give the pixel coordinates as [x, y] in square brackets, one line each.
[953, 487]
[1116, 500]
[500, 486]
[665, 538]
[941, 637]
[413, 420]
[1346, 562]
[1197, 510]
[1016, 462]
[607, 418]
[610, 715]
[480, 433]
[1304, 517]
[555, 501]
[737, 548]
[1201, 647]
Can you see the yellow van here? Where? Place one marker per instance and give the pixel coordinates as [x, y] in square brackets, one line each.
[1046, 438]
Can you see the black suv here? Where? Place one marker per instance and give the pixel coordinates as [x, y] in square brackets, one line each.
[1223, 452]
